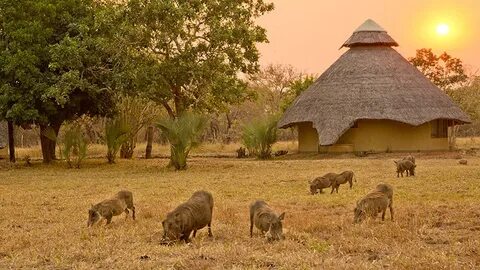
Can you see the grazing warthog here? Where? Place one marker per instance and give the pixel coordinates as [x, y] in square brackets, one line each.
[322, 182]
[405, 165]
[106, 209]
[375, 202]
[189, 216]
[410, 157]
[344, 177]
[463, 162]
[266, 220]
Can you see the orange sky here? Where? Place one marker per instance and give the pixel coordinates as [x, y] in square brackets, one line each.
[307, 33]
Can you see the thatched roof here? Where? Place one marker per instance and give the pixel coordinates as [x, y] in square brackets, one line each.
[369, 82]
[370, 33]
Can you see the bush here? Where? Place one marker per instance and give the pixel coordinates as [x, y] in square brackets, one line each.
[116, 133]
[137, 113]
[75, 146]
[183, 134]
[259, 136]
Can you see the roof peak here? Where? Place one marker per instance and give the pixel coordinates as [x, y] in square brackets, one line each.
[370, 26]
[370, 33]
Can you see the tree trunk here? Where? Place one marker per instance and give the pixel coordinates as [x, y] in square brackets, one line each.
[148, 150]
[229, 122]
[178, 101]
[56, 129]
[48, 144]
[11, 142]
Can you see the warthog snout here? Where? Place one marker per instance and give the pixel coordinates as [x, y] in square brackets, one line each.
[358, 215]
[275, 230]
[171, 229]
[93, 217]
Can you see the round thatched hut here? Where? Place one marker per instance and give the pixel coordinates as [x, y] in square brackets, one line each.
[372, 99]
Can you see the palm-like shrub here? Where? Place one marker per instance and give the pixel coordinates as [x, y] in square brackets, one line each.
[259, 136]
[116, 133]
[75, 146]
[183, 134]
[137, 113]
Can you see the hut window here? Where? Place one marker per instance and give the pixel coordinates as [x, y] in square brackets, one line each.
[440, 128]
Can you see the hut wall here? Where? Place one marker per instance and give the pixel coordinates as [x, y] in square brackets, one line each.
[307, 138]
[386, 135]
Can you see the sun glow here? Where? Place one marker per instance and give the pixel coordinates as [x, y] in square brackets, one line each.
[443, 29]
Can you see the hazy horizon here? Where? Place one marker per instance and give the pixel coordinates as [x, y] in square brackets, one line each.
[307, 34]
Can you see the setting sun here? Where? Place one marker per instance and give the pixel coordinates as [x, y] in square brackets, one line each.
[443, 29]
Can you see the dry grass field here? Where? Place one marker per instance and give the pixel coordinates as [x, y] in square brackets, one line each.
[43, 215]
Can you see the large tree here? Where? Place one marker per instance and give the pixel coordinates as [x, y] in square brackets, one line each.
[443, 70]
[277, 86]
[468, 97]
[272, 83]
[190, 54]
[55, 60]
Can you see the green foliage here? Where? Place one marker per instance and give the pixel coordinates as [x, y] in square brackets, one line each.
[276, 86]
[443, 70]
[259, 136]
[116, 133]
[75, 146]
[188, 54]
[468, 98]
[296, 88]
[271, 84]
[183, 133]
[137, 113]
[55, 61]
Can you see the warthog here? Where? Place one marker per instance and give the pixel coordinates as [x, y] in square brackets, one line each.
[375, 202]
[410, 157]
[322, 182]
[106, 209]
[189, 216]
[344, 177]
[405, 165]
[266, 220]
[463, 162]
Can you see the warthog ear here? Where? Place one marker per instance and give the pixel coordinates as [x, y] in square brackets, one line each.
[282, 216]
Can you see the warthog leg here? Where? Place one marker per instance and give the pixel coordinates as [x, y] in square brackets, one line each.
[109, 218]
[186, 237]
[210, 229]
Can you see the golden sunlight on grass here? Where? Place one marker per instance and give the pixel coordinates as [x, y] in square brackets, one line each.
[43, 215]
